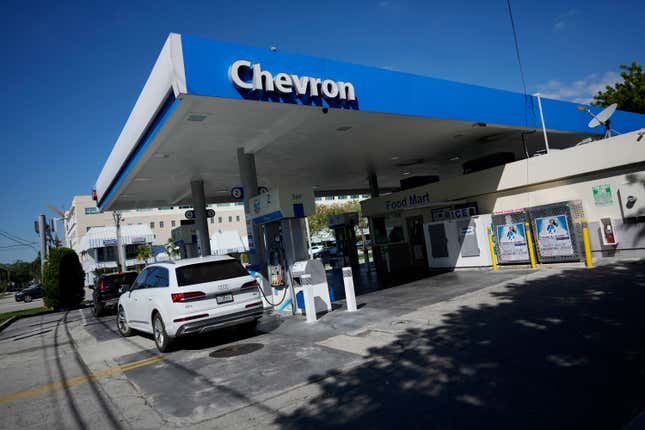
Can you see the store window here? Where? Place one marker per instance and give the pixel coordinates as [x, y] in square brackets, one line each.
[131, 252]
[230, 219]
[152, 224]
[219, 220]
[160, 224]
[106, 254]
[237, 218]
[173, 223]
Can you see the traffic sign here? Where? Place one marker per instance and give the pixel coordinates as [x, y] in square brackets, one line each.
[190, 214]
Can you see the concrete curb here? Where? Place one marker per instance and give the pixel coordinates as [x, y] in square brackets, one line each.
[15, 318]
[8, 322]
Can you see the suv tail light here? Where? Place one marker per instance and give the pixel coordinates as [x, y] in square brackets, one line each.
[101, 285]
[252, 284]
[182, 297]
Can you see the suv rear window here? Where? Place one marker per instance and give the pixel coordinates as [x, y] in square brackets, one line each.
[209, 272]
[124, 278]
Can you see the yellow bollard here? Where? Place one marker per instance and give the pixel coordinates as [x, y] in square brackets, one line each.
[585, 240]
[529, 243]
[492, 249]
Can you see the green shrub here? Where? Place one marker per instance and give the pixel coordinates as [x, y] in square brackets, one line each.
[63, 279]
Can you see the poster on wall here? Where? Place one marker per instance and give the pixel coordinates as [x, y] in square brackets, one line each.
[554, 237]
[602, 195]
[512, 242]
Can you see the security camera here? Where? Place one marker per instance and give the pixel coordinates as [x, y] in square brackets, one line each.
[325, 110]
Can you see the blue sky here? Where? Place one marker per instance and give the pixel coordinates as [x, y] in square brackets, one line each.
[71, 71]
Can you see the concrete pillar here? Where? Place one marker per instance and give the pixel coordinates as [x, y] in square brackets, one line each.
[201, 222]
[373, 182]
[249, 180]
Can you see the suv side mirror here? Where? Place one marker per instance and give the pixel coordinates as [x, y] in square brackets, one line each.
[124, 288]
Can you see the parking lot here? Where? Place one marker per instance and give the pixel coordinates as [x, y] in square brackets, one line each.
[555, 348]
[9, 304]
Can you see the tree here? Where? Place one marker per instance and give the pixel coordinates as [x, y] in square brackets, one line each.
[628, 94]
[63, 279]
[318, 220]
[171, 248]
[144, 252]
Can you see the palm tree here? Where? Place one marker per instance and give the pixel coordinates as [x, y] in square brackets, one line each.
[171, 248]
[144, 252]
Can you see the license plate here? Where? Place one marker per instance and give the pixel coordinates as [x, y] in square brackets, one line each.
[224, 298]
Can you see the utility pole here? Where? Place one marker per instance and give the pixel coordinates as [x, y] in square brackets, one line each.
[43, 242]
[119, 244]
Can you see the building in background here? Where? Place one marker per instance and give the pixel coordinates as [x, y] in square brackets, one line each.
[84, 215]
[98, 248]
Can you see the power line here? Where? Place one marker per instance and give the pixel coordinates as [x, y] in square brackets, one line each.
[18, 240]
[13, 237]
[528, 101]
[517, 45]
[17, 245]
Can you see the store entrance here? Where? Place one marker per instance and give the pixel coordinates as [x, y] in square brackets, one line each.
[417, 241]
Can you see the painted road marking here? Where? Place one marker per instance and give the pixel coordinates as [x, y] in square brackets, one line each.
[80, 311]
[21, 395]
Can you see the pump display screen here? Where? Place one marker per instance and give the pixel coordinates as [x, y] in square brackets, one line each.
[209, 272]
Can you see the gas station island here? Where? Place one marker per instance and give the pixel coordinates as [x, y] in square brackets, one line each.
[454, 170]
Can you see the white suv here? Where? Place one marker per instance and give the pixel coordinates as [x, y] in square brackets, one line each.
[194, 295]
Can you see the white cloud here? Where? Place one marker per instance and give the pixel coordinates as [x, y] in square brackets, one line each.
[580, 91]
[561, 21]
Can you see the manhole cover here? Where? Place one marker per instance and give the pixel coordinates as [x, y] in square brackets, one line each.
[235, 350]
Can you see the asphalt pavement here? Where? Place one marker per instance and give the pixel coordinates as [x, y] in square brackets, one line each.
[9, 304]
[560, 347]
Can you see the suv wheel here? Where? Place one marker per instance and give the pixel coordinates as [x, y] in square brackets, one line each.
[122, 323]
[162, 339]
[27, 298]
[98, 309]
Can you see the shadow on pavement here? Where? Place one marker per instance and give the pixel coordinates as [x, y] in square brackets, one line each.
[566, 351]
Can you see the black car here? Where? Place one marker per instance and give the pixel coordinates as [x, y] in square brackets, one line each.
[28, 294]
[106, 290]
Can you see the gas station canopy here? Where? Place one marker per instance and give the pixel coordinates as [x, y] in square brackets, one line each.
[312, 122]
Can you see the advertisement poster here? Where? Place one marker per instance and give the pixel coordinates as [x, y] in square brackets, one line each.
[602, 195]
[512, 242]
[554, 238]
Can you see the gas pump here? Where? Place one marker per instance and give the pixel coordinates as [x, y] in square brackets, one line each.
[185, 237]
[281, 214]
[344, 227]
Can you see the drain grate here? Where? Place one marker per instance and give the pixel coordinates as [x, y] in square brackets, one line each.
[235, 350]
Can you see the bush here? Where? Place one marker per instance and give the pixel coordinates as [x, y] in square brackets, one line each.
[63, 279]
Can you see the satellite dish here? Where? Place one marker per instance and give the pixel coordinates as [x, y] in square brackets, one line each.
[603, 116]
